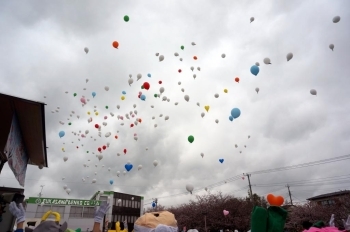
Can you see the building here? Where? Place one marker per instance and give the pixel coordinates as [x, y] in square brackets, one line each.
[334, 198]
[79, 213]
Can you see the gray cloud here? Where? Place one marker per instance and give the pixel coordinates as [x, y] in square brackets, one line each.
[42, 55]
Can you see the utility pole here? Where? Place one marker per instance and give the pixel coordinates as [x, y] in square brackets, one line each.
[41, 192]
[250, 186]
[290, 195]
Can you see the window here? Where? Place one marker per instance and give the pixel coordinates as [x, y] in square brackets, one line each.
[103, 199]
[88, 212]
[41, 210]
[76, 212]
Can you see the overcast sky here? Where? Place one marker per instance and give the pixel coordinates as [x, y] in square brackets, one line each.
[42, 55]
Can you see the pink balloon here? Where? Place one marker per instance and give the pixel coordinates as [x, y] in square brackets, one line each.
[133, 115]
[226, 212]
[105, 117]
[135, 134]
[83, 100]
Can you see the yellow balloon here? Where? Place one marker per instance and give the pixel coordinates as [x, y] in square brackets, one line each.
[96, 113]
[123, 98]
[62, 148]
[207, 108]
[225, 90]
[88, 113]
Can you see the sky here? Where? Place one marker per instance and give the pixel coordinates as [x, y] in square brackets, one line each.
[42, 57]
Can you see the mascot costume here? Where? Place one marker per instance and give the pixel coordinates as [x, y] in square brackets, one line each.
[163, 221]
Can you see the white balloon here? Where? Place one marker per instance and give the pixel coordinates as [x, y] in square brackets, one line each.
[179, 83]
[65, 187]
[192, 68]
[202, 115]
[164, 98]
[217, 120]
[183, 90]
[251, 19]
[166, 118]
[157, 54]
[106, 88]
[161, 90]
[202, 155]
[135, 138]
[155, 125]
[134, 105]
[87, 80]
[119, 201]
[139, 167]
[193, 43]
[313, 92]
[331, 46]
[194, 76]
[68, 190]
[180, 59]
[336, 19]
[199, 68]
[176, 103]
[118, 107]
[93, 180]
[223, 55]
[161, 58]
[130, 81]
[155, 163]
[257, 90]
[139, 76]
[65, 158]
[86, 50]
[176, 54]
[63, 178]
[267, 60]
[109, 169]
[187, 98]
[189, 188]
[289, 56]
[216, 95]
[198, 104]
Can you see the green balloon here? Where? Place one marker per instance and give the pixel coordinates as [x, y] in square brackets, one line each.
[190, 139]
[155, 95]
[142, 87]
[106, 107]
[74, 94]
[126, 18]
[70, 123]
[87, 152]
[78, 230]
[182, 47]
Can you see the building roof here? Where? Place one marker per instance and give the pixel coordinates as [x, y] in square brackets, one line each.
[334, 194]
[31, 117]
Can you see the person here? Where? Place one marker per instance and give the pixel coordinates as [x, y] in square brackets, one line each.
[49, 226]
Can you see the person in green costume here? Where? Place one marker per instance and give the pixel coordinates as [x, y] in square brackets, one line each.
[272, 219]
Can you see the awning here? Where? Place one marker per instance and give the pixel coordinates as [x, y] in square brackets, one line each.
[31, 117]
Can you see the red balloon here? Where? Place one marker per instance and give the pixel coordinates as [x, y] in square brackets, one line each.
[99, 149]
[97, 126]
[146, 85]
[124, 151]
[132, 125]
[195, 57]
[160, 82]
[140, 120]
[116, 137]
[104, 147]
[77, 147]
[179, 71]
[237, 79]
[139, 96]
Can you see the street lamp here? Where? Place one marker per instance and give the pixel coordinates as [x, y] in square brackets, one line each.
[205, 213]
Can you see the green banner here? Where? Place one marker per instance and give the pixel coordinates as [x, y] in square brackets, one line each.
[57, 201]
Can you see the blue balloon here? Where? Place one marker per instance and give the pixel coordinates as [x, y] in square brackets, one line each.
[221, 160]
[61, 134]
[153, 204]
[254, 70]
[124, 92]
[143, 97]
[235, 113]
[230, 118]
[111, 182]
[128, 167]
[149, 75]
[93, 94]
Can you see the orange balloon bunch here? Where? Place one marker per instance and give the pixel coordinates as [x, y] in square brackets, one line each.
[275, 200]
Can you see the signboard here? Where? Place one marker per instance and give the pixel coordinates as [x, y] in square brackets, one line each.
[15, 151]
[57, 201]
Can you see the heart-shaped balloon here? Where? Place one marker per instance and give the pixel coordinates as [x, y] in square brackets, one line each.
[226, 212]
[128, 167]
[275, 200]
[221, 160]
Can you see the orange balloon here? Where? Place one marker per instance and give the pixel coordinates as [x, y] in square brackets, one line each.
[140, 120]
[116, 137]
[237, 79]
[115, 44]
[195, 57]
[275, 200]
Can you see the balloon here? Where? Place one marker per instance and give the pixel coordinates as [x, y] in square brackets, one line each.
[230, 118]
[86, 50]
[257, 90]
[189, 188]
[139, 167]
[149, 75]
[267, 60]
[111, 182]
[235, 112]
[143, 97]
[74, 94]
[160, 82]
[161, 90]
[100, 156]
[289, 56]
[68, 190]
[122, 97]
[216, 95]
[179, 70]
[202, 115]
[130, 81]
[190, 138]
[61, 134]
[195, 57]
[83, 100]
[65, 187]
[65, 158]
[123, 92]
[146, 85]
[193, 43]
[93, 94]
[251, 19]
[336, 19]
[192, 68]
[176, 54]
[187, 98]
[207, 108]
[126, 18]
[115, 44]
[226, 212]
[254, 70]
[331, 46]
[128, 167]
[275, 200]
[155, 163]
[221, 160]
[161, 58]
[125, 151]
[138, 76]
[157, 54]
[237, 79]
[217, 120]
[257, 64]
[223, 55]
[202, 155]
[313, 92]
[182, 47]
[225, 90]
[106, 88]
[199, 68]
[194, 76]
